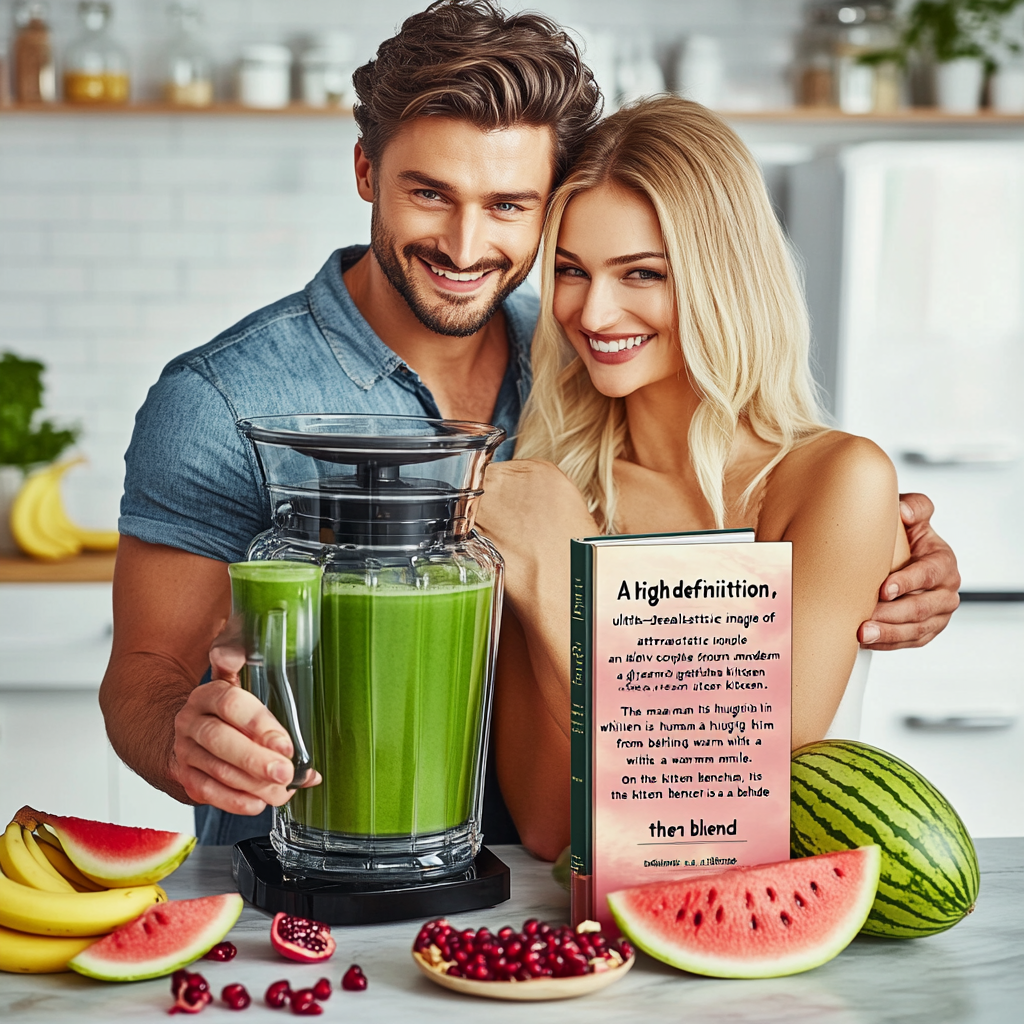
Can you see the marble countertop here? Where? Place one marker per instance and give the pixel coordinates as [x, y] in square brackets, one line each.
[974, 972]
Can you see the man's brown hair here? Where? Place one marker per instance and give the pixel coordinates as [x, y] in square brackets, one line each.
[470, 60]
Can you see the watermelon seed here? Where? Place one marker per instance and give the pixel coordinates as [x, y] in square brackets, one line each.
[753, 922]
[799, 899]
[147, 927]
[697, 919]
[786, 919]
[750, 901]
[838, 873]
[719, 914]
[814, 888]
[771, 893]
[712, 893]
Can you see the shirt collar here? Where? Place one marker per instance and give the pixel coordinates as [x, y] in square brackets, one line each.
[366, 359]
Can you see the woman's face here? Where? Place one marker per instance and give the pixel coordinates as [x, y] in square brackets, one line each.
[612, 293]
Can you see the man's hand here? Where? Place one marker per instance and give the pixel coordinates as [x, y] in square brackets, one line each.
[915, 602]
[229, 749]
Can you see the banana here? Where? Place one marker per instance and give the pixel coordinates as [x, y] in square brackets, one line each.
[47, 834]
[59, 859]
[26, 515]
[78, 913]
[20, 866]
[22, 953]
[40, 523]
[40, 858]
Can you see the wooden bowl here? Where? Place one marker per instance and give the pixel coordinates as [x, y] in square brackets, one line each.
[525, 991]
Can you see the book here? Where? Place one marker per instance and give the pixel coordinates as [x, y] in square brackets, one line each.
[681, 680]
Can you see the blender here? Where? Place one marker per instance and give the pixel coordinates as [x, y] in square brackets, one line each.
[370, 612]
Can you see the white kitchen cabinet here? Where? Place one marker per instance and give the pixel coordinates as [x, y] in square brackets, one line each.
[54, 753]
[954, 710]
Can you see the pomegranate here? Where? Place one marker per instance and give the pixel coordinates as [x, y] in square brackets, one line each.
[540, 950]
[304, 1002]
[278, 994]
[191, 992]
[236, 997]
[354, 980]
[322, 989]
[222, 952]
[298, 938]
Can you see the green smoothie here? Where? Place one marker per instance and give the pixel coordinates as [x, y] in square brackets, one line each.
[398, 703]
[258, 588]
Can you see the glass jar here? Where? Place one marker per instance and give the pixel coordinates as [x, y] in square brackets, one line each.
[35, 80]
[187, 68]
[371, 611]
[327, 72]
[96, 66]
[264, 76]
[829, 66]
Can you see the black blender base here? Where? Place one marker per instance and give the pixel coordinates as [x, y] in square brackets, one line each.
[260, 880]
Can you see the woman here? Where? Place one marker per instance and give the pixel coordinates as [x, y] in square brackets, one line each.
[672, 392]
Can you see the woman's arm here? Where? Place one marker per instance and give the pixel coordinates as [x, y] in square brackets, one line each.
[836, 500]
[530, 511]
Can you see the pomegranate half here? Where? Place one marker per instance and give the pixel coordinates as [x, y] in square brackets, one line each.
[300, 939]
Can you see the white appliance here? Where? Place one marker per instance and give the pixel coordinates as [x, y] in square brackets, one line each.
[914, 258]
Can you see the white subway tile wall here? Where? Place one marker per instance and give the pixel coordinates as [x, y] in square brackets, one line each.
[127, 240]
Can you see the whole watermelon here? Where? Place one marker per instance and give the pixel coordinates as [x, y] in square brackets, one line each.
[847, 794]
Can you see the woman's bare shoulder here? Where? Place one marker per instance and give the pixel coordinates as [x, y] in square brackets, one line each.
[834, 470]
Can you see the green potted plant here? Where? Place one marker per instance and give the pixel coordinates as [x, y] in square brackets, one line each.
[25, 440]
[961, 38]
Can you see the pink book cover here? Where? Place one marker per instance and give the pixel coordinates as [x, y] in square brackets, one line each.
[689, 714]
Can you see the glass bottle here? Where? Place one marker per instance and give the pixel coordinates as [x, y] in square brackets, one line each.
[830, 72]
[96, 67]
[34, 77]
[187, 68]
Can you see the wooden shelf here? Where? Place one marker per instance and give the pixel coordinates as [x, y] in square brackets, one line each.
[93, 567]
[136, 109]
[826, 115]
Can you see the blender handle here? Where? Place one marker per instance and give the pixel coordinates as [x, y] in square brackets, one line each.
[275, 648]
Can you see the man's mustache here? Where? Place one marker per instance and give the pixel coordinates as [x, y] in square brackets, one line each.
[439, 259]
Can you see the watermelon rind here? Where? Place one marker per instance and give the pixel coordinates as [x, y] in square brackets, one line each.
[846, 793]
[162, 940]
[650, 916]
[122, 855]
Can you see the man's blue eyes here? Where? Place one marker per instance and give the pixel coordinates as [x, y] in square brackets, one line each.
[430, 196]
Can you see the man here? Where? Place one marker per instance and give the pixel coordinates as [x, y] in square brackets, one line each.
[467, 120]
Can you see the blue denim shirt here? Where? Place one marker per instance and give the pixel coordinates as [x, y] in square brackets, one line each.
[192, 480]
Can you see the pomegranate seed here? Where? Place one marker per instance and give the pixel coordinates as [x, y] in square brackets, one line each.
[506, 933]
[530, 927]
[454, 971]
[222, 952]
[354, 979]
[278, 994]
[461, 957]
[191, 992]
[235, 996]
[625, 949]
[304, 1002]
[322, 989]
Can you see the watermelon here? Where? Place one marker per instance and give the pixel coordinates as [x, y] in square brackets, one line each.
[758, 922]
[114, 855]
[846, 794]
[164, 938]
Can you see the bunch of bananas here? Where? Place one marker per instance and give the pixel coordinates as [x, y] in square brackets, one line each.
[40, 523]
[49, 910]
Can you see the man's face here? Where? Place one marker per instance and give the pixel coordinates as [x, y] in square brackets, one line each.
[457, 217]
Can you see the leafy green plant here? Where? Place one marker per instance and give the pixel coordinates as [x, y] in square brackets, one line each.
[948, 30]
[23, 443]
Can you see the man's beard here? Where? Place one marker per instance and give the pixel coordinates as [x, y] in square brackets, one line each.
[453, 316]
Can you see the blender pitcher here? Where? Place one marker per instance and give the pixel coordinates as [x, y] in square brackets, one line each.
[395, 718]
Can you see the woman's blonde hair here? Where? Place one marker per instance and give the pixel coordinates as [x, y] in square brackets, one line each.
[742, 320]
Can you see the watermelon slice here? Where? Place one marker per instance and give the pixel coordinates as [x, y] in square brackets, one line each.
[114, 855]
[166, 937]
[760, 922]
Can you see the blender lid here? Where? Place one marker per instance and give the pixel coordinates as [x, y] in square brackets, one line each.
[356, 438]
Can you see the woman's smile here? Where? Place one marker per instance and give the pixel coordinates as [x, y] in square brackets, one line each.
[616, 348]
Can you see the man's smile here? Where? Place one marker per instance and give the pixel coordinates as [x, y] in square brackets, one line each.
[458, 281]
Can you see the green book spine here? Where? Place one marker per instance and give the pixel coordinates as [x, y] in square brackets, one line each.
[581, 749]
